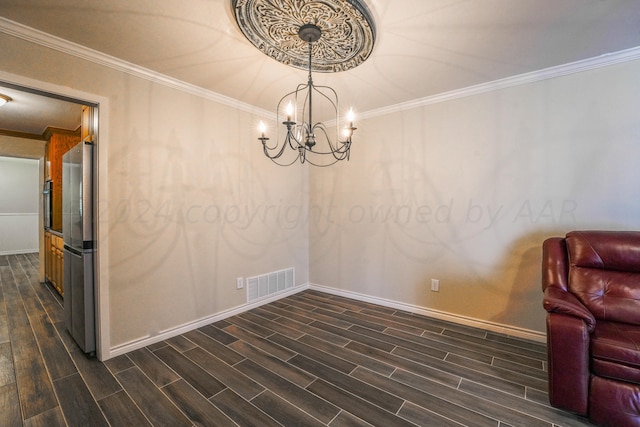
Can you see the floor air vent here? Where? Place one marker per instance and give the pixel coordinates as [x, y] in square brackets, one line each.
[269, 284]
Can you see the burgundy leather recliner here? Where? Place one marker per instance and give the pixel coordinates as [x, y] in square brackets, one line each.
[591, 284]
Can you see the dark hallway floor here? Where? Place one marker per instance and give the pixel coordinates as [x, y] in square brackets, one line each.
[308, 359]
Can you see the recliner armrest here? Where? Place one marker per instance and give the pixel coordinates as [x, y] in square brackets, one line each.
[556, 300]
[555, 263]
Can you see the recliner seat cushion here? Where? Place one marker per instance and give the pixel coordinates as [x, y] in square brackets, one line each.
[615, 351]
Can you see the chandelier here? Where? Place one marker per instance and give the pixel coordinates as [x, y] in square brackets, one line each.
[309, 140]
[315, 35]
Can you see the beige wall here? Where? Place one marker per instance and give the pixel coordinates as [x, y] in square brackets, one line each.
[465, 191]
[187, 201]
[26, 148]
[462, 191]
[19, 205]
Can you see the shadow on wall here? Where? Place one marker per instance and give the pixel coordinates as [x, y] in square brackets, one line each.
[526, 292]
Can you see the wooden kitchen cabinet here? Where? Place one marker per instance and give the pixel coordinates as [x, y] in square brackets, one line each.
[54, 260]
[59, 141]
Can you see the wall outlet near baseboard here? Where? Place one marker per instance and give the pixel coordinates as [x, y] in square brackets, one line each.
[239, 283]
[435, 285]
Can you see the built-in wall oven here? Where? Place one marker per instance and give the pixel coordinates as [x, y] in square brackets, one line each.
[47, 206]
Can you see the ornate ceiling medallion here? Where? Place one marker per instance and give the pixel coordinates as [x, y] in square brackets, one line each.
[348, 31]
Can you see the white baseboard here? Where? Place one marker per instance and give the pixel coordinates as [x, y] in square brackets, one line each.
[190, 326]
[19, 252]
[449, 317]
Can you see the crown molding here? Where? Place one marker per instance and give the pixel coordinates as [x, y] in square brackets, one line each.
[53, 42]
[24, 135]
[520, 79]
[41, 38]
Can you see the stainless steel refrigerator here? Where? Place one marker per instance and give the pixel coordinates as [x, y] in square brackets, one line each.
[77, 232]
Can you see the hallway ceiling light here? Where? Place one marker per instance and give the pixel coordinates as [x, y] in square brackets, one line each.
[321, 36]
[4, 99]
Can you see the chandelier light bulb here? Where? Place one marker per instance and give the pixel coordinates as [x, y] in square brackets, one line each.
[289, 111]
[350, 116]
[262, 128]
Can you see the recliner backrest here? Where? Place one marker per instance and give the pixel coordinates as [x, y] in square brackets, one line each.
[604, 273]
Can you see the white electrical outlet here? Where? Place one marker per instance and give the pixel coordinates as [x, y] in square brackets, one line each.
[435, 285]
[239, 283]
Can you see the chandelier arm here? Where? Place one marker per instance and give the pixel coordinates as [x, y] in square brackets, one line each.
[340, 153]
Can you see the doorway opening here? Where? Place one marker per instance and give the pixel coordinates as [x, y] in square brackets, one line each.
[45, 126]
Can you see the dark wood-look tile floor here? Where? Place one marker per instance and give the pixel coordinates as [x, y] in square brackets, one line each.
[310, 359]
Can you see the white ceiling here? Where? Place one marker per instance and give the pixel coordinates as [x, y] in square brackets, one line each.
[423, 48]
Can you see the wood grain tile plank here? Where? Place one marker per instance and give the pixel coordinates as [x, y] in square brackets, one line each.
[200, 379]
[261, 343]
[317, 304]
[514, 366]
[295, 301]
[533, 346]
[250, 326]
[424, 417]
[357, 305]
[432, 396]
[351, 384]
[267, 314]
[180, 343]
[241, 411]
[226, 374]
[461, 371]
[214, 347]
[298, 396]
[289, 314]
[431, 323]
[312, 353]
[54, 353]
[306, 329]
[462, 399]
[273, 326]
[515, 377]
[422, 368]
[156, 407]
[7, 373]
[10, 414]
[217, 334]
[346, 419]
[386, 322]
[348, 355]
[306, 311]
[332, 300]
[199, 410]
[272, 363]
[535, 409]
[120, 411]
[76, 402]
[100, 381]
[118, 363]
[418, 344]
[283, 412]
[504, 349]
[51, 418]
[354, 336]
[34, 386]
[154, 368]
[356, 405]
[355, 319]
[412, 321]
